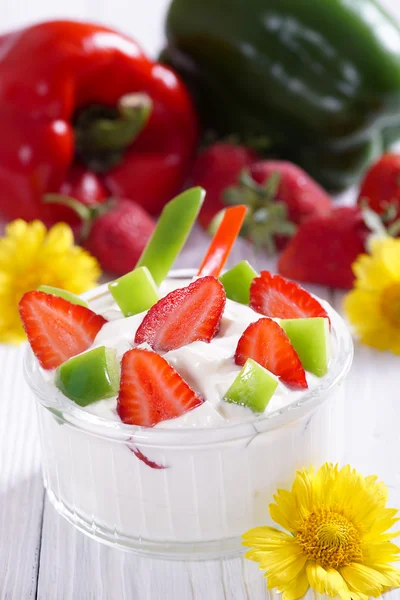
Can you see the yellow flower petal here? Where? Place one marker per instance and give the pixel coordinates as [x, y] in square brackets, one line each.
[335, 585]
[296, 588]
[30, 256]
[358, 595]
[373, 307]
[316, 577]
[60, 236]
[265, 534]
[371, 274]
[362, 309]
[379, 552]
[303, 493]
[391, 573]
[382, 338]
[327, 581]
[280, 516]
[387, 250]
[285, 562]
[364, 579]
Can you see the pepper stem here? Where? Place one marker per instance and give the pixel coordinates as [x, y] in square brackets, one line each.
[103, 133]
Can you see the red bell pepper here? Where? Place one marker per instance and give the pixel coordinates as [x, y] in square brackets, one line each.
[79, 94]
[223, 240]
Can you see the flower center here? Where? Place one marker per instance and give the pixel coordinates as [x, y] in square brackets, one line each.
[390, 304]
[330, 539]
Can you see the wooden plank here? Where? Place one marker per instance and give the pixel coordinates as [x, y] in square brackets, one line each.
[73, 567]
[372, 398]
[21, 490]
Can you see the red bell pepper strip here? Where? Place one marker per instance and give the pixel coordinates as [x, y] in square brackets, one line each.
[223, 240]
[76, 93]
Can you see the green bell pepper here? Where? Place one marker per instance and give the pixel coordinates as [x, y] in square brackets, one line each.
[319, 79]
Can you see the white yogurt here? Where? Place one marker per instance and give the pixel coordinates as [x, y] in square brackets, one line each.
[209, 368]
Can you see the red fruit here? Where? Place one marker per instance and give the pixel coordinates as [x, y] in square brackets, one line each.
[274, 296]
[184, 316]
[279, 194]
[302, 195]
[150, 178]
[83, 185]
[381, 186]
[118, 237]
[215, 169]
[265, 342]
[151, 390]
[57, 329]
[324, 248]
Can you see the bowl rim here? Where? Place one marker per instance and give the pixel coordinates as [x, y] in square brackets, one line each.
[67, 412]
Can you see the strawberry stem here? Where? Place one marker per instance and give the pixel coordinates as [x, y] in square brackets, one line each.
[394, 229]
[267, 217]
[80, 209]
[87, 214]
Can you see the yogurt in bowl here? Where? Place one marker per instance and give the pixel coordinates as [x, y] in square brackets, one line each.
[188, 487]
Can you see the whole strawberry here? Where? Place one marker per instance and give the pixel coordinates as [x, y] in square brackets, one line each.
[380, 188]
[324, 248]
[118, 237]
[279, 194]
[301, 194]
[216, 168]
[115, 232]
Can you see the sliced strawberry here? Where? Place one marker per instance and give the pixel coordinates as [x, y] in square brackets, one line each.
[151, 390]
[265, 342]
[184, 316]
[57, 329]
[274, 296]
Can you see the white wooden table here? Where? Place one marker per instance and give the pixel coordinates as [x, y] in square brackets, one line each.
[42, 556]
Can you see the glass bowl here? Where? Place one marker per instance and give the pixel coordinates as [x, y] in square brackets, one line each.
[183, 493]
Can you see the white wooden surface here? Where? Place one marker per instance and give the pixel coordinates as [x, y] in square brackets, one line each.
[41, 556]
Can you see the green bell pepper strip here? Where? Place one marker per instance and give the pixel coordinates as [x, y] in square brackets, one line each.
[319, 79]
[171, 232]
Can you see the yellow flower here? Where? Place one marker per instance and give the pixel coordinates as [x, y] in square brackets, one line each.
[31, 256]
[373, 307]
[337, 542]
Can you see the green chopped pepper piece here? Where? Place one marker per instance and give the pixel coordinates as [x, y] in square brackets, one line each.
[310, 339]
[237, 282]
[90, 376]
[134, 292]
[73, 298]
[253, 387]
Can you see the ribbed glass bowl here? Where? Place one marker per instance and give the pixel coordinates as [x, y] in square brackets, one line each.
[214, 484]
